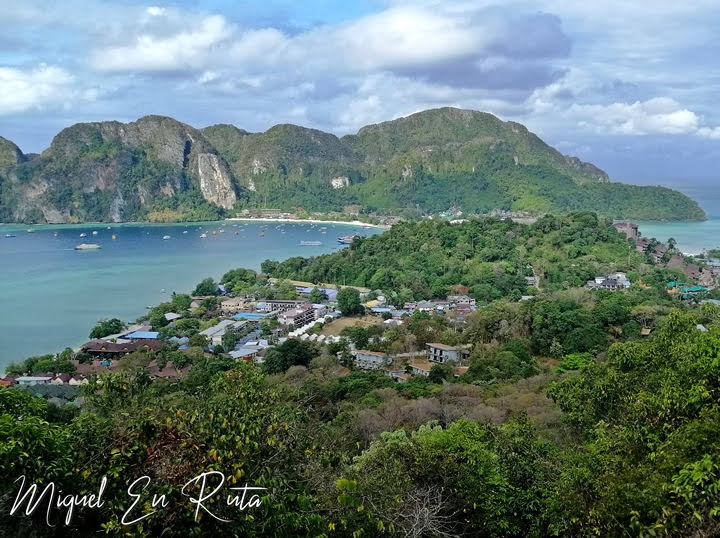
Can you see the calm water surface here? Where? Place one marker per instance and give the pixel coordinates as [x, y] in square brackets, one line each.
[52, 295]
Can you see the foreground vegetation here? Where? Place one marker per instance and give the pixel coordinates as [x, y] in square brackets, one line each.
[568, 422]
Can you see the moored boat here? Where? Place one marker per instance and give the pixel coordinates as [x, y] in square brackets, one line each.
[346, 239]
[166, 237]
[87, 246]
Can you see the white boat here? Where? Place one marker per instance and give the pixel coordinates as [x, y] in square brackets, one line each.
[95, 233]
[165, 237]
[83, 234]
[203, 235]
[185, 232]
[310, 243]
[87, 246]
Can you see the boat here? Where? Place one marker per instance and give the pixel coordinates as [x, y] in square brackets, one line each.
[346, 239]
[114, 237]
[165, 237]
[10, 235]
[87, 246]
[203, 235]
[83, 234]
[55, 234]
[185, 231]
[214, 232]
[31, 230]
[262, 234]
[310, 243]
[237, 233]
[95, 232]
[221, 231]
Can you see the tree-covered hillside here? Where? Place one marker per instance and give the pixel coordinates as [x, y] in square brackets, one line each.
[492, 257]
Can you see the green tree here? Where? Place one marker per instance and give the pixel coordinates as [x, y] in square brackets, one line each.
[317, 295]
[349, 302]
[208, 286]
[292, 352]
[107, 327]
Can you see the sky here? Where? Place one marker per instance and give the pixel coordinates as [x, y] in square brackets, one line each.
[630, 86]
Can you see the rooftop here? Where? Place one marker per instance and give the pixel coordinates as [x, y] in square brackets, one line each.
[442, 346]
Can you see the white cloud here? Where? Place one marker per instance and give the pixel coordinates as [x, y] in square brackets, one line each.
[38, 88]
[183, 50]
[155, 11]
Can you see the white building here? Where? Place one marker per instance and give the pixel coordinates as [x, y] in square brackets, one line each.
[442, 353]
[371, 360]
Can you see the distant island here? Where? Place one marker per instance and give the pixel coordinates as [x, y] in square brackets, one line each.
[443, 160]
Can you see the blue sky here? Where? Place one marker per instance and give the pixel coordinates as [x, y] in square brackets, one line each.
[629, 86]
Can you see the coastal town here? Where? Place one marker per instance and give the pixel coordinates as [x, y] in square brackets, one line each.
[224, 322]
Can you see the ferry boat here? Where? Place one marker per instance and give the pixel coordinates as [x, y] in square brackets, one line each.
[87, 246]
[310, 243]
[346, 239]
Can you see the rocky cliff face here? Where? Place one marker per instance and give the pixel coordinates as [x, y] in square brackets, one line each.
[116, 171]
[215, 182]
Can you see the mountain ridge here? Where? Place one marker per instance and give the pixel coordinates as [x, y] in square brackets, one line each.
[158, 168]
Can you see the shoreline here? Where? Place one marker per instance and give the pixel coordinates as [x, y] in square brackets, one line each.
[314, 221]
[245, 219]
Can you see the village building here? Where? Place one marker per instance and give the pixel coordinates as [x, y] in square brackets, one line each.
[33, 380]
[460, 300]
[61, 379]
[233, 305]
[371, 360]
[78, 380]
[420, 367]
[282, 305]
[172, 316]
[297, 317]
[215, 333]
[630, 230]
[442, 353]
[104, 349]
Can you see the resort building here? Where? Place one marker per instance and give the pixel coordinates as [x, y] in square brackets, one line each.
[371, 360]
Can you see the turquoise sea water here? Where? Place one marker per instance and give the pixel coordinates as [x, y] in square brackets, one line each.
[691, 237]
[52, 295]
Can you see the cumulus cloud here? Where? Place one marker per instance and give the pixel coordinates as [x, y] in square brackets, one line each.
[188, 49]
[38, 88]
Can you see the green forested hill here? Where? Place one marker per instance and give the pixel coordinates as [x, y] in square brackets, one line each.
[424, 260]
[429, 162]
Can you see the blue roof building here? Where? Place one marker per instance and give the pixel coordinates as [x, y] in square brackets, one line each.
[143, 335]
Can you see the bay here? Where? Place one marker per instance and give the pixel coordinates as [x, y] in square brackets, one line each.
[52, 295]
[691, 237]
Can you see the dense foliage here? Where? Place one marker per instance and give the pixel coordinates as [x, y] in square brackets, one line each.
[492, 257]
